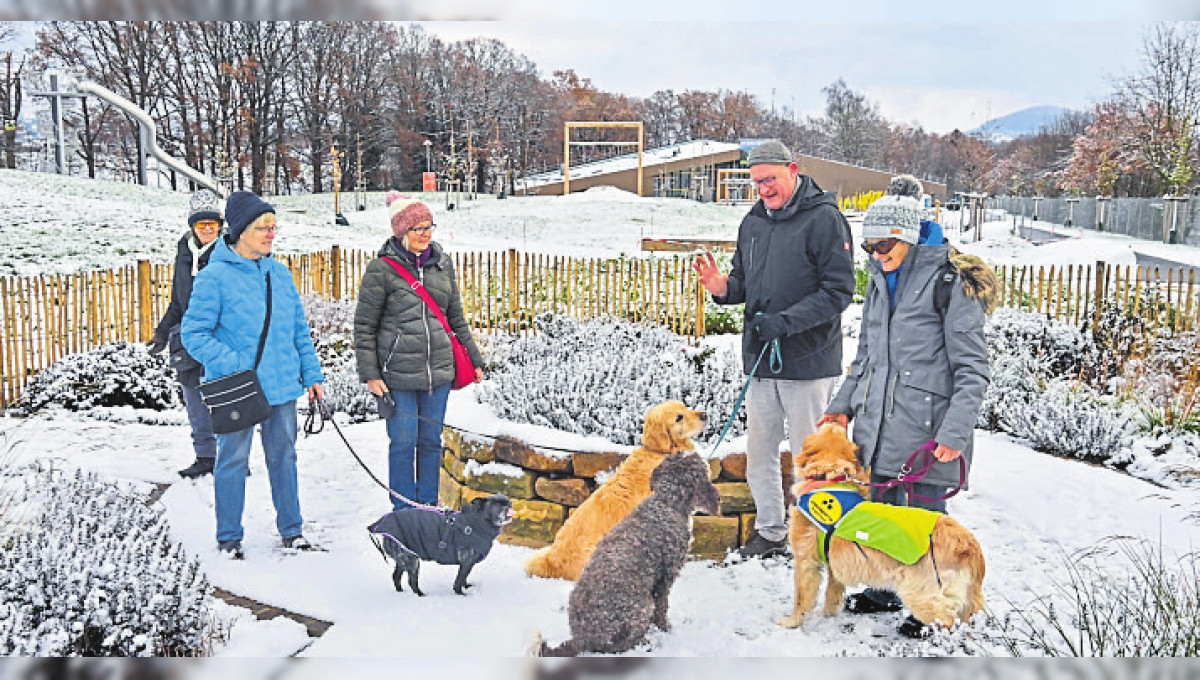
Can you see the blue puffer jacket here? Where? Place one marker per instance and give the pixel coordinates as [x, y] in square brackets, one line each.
[224, 321]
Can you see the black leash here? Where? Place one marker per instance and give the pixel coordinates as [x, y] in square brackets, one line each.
[314, 422]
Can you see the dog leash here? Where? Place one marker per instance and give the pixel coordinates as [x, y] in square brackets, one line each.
[317, 409]
[908, 479]
[776, 365]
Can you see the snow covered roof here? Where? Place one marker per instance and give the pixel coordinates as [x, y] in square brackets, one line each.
[694, 149]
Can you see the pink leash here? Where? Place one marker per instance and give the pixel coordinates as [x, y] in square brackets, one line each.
[907, 478]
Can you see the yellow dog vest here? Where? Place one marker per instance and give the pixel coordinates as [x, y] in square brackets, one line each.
[840, 510]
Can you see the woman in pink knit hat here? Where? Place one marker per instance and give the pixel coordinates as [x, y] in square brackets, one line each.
[402, 350]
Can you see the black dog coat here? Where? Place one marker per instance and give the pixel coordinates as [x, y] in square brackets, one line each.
[442, 537]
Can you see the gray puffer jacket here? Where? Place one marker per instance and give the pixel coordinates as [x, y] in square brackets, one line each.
[917, 376]
[396, 336]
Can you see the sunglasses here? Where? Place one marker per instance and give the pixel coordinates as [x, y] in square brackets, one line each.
[882, 247]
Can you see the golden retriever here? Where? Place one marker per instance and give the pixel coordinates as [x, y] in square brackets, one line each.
[943, 586]
[668, 429]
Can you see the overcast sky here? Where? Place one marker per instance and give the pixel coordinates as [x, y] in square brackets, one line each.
[942, 75]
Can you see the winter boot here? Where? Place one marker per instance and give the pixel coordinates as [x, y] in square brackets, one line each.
[231, 549]
[298, 542]
[202, 466]
[873, 601]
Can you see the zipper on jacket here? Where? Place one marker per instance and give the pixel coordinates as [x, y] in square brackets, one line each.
[892, 407]
[867, 392]
[428, 339]
[393, 351]
[750, 257]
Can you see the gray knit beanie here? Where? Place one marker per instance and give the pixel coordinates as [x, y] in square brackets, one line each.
[204, 205]
[770, 152]
[897, 215]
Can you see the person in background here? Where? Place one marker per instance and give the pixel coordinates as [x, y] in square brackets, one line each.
[403, 352]
[195, 246]
[221, 329]
[922, 363]
[794, 271]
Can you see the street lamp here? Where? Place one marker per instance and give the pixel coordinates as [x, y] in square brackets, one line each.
[427, 145]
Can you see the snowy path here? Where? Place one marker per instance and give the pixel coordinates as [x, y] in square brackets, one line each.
[1023, 506]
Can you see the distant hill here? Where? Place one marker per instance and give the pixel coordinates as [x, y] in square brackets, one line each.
[1018, 124]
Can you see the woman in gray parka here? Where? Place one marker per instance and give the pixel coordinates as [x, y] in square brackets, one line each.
[403, 351]
[922, 363]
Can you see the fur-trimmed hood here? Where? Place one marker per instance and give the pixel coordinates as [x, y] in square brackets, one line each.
[978, 279]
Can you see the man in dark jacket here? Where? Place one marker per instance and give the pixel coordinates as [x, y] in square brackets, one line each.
[794, 271]
[204, 222]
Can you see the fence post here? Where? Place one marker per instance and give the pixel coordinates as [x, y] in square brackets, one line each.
[511, 293]
[701, 330]
[336, 266]
[1099, 294]
[145, 314]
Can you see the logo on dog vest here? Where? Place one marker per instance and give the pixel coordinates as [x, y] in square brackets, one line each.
[825, 507]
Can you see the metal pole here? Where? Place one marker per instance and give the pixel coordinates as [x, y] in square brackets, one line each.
[60, 160]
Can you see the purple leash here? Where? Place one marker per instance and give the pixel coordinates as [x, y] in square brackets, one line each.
[907, 478]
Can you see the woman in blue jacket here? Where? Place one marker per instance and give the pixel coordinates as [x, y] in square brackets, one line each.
[221, 329]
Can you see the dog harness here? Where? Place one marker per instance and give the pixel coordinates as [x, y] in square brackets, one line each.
[838, 509]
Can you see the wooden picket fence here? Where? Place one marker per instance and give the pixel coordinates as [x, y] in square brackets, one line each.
[1165, 297]
[45, 318]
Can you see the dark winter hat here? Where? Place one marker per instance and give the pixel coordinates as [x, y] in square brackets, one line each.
[770, 152]
[897, 215]
[242, 208]
[407, 212]
[205, 205]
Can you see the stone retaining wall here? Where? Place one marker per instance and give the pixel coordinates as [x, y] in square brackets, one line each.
[545, 490]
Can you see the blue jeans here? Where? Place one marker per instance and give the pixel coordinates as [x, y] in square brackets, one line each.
[229, 475]
[415, 448]
[203, 439]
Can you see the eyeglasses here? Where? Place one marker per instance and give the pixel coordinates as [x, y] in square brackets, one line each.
[267, 230]
[882, 247]
[764, 182]
[423, 230]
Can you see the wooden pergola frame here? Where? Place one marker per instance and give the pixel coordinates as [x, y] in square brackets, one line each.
[567, 144]
[726, 174]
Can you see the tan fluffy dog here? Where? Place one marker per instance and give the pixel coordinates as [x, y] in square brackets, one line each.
[668, 429]
[827, 454]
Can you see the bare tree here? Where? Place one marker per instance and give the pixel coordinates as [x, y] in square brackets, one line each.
[1163, 102]
[10, 96]
[854, 129]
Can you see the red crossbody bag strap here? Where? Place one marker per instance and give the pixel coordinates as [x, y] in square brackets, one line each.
[419, 289]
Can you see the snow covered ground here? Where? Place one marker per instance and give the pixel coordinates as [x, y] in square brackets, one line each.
[1028, 509]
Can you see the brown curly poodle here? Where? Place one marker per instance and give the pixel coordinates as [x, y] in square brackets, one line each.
[668, 430]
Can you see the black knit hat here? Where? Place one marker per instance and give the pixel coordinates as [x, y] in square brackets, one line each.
[241, 209]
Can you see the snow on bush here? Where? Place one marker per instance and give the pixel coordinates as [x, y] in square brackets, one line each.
[332, 323]
[92, 572]
[117, 374]
[600, 378]
[1069, 419]
[1060, 349]
[1015, 383]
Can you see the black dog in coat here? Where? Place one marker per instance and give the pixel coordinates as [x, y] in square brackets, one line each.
[463, 538]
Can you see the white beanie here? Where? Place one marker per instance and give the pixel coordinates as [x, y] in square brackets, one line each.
[897, 215]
